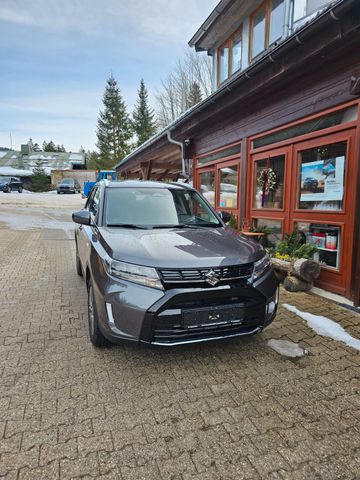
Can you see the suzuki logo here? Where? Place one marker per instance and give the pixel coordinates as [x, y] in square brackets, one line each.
[212, 278]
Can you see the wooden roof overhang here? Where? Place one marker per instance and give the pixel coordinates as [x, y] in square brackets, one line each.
[336, 29]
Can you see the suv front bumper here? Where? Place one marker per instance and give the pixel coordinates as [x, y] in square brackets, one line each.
[133, 313]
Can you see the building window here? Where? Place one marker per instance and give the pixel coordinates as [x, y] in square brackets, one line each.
[230, 56]
[303, 8]
[266, 26]
[236, 52]
[322, 177]
[207, 186]
[327, 238]
[228, 187]
[277, 16]
[274, 227]
[258, 31]
[319, 123]
[223, 59]
[269, 193]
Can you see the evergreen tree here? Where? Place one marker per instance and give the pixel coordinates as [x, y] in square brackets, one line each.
[144, 124]
[114, 127]
[40, 182]
[93, 161]
[194, 96]
[49, 147]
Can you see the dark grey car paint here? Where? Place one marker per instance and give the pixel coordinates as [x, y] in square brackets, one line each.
[166, 248]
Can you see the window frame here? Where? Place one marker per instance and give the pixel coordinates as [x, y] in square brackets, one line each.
[266, 4]
[229, 44]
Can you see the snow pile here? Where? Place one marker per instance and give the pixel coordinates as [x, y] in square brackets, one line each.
[77, 157]
[326, 327]
[287, 348]
[2, 154]
[14, 172]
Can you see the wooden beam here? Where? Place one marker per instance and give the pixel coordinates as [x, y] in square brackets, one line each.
[162, 175]
[145, 170]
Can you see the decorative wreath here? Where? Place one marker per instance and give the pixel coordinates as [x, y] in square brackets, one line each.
[267, 180]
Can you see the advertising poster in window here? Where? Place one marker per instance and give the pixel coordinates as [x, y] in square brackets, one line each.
[322, 180]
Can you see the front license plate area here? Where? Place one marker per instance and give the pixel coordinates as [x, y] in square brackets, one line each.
[207, 316]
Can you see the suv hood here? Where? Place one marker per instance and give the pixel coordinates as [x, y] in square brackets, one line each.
[179, 247]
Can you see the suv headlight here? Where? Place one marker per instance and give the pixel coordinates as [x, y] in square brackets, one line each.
[261, 265]
[147, 276]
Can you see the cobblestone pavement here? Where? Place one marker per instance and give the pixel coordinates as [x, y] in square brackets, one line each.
[232, 410]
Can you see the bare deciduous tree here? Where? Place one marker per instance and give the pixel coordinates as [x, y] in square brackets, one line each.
[173, 96]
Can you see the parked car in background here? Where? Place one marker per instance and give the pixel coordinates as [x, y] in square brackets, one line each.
[7, 184]
[68, 185]
[161, 268]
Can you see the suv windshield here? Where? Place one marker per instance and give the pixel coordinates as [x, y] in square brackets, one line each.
[66, 181]
[5, 179]
[157, 207]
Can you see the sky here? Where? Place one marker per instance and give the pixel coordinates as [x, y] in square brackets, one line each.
[56, 55]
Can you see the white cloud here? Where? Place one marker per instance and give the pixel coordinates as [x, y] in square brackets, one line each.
[158, 19]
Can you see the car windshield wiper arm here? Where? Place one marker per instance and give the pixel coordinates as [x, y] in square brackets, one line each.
[128, 225]
[187, 225]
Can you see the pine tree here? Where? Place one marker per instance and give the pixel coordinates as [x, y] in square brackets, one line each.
[49, 147]
[144, 124]
[114, 128]
[194, 96]
[40, 181]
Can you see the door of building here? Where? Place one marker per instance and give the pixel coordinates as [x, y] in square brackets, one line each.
[310, 185]
[220, 185]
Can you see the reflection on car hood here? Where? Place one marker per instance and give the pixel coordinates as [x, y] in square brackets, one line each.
[180, 247]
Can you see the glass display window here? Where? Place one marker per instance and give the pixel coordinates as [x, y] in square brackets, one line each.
[327, 238]
[207, 186]
[228, 188]
[269, 183]
[275, 226]
[322, 177]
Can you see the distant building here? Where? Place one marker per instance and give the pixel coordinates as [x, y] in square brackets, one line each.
[21, 163]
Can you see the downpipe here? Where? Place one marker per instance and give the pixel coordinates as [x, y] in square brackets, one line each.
[181, 145]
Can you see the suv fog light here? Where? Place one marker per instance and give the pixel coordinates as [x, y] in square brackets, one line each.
[271, 305]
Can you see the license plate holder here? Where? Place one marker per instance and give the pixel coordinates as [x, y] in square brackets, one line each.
[210, 316]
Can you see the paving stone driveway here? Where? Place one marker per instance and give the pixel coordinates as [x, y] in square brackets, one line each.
[232, 410]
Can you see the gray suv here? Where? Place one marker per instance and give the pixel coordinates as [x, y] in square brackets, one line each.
[162, 268]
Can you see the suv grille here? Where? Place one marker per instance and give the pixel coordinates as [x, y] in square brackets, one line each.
[190, 275]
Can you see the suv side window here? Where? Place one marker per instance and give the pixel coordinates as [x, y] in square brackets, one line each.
[93, 202]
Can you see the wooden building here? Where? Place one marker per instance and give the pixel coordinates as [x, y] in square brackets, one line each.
[278, 140]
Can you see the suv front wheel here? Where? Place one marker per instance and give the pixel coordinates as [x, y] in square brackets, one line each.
[96, 337]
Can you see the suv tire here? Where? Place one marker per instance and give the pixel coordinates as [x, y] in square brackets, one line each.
[78, 263]
[96, 337]
[20, 189]
[8, 189]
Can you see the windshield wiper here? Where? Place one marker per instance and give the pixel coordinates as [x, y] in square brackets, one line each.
[127, 225]
[187, 225]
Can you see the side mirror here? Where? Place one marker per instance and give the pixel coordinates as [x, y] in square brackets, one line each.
[83, 217]
[226, 216]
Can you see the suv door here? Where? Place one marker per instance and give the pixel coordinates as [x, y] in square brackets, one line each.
[84, 232]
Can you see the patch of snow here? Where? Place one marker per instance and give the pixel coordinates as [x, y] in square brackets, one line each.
[287, 348]
[15, 172]
[42, 157]
[326, 327]
[2, 154]
[76, 156]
